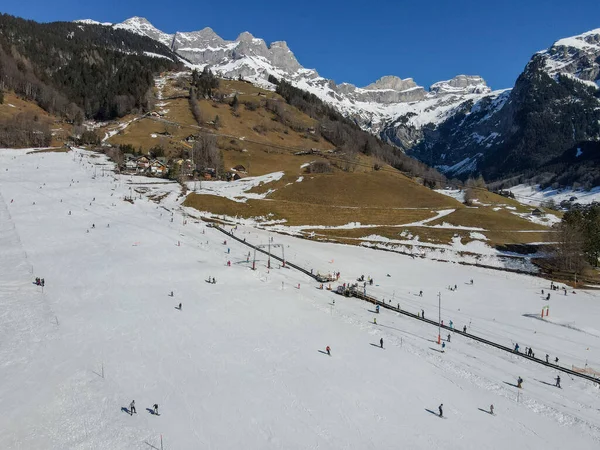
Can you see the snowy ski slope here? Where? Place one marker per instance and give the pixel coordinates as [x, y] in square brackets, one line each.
[242, 364]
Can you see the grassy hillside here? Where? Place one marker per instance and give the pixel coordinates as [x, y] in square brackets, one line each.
[15, 108]
[382, 201]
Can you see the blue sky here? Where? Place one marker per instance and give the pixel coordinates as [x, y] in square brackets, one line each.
[359, 41]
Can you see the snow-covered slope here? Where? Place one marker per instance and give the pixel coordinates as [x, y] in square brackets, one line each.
[242, 364]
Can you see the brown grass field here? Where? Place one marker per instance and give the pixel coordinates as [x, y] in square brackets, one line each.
[262, 144]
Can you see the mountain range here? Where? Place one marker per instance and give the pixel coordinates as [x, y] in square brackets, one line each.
[460, 126]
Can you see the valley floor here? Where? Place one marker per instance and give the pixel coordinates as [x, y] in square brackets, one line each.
[242, 364]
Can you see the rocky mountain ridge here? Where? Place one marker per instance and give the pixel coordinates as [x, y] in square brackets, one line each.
[459, 126]
[371, 106]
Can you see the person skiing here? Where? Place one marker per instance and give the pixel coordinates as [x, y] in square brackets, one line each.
[43, 282]
[156, 409]
[451, 325]
[548, 297]
[519, 382]
[171, 293]
[420, 293]
[180, 306]
[516, 348]
[443, 346]
[448, 337]
[377, 309]
[132, 408]
[381, 342]
[465, 329]
[423, 313]
[491, 409]
[440, 409]
[328, 350]
[557, 381]
[375, 320]
[556, 360]
[547, 358]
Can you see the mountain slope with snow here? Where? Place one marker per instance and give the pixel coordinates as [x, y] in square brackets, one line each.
[372, 106]
[459, 126]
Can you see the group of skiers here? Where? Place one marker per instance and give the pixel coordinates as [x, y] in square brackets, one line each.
[529, 352]
[39, 281]
[132, 410]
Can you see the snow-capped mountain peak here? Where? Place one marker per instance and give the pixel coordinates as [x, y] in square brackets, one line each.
[576, 56]
[373, 107]
[142, 26]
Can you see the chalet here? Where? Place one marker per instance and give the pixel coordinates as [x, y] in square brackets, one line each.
[537, 212]
[240, 168]
[131, 164]
[158, 168]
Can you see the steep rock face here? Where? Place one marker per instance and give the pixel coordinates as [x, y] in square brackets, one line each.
[521, 130]
[578, 56]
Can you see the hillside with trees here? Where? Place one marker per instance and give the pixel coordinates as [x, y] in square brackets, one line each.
[80, 71]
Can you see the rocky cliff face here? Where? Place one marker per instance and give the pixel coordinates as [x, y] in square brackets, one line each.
[554, 106]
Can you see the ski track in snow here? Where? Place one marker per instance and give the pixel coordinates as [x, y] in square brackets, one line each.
[243, 354]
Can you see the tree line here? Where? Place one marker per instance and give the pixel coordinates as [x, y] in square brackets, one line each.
[578, 238]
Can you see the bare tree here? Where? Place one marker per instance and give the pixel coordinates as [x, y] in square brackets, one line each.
[205, 153]
[568, 252]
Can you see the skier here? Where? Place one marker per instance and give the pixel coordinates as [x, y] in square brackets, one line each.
[375, 320]
[171, 293]
[451, 325]
[556, 360]
[448, 337]
[547, 358]
[519, 382]
[492, 409]
[180, 306]
[465, 329]
[548, 297]
[69, 212]
[328, 350]
[377, 309]
[440, 409]
[420, 293]
[93, 225]
[516, 348]
[381, 342]
[443, 346]
[472, 283]
[156, 409]
[132, 408]
[43, 283]
[557, 381]
[423, 313]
